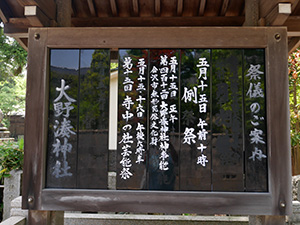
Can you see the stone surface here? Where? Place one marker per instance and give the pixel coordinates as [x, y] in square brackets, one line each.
[15, 208]
[295, 185]
[111, 219]
[15, 220]
[12, 187]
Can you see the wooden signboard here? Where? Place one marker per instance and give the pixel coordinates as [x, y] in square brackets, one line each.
[161, 120]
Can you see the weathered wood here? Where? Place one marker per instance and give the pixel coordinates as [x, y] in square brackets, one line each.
[179, 7]
[35, 140]
[64, 11]
[36, 17]
[45, 217]
[48, 7]
[278, 15]
[278, 121]
[158, 202]
[157, 7]
[212, 7]
[202, 7]
[159, 37]
[294, 43]
[190, 8]
[266, 6]
[157, 21]
[17, 28]
[224, 7]
[113, 6]
[251, 12]
[91, 7]
[135, 7]
[275, 201]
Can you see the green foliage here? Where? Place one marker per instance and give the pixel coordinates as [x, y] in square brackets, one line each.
[11, 157]
[294, 90]
[12, 96]
[13, 59]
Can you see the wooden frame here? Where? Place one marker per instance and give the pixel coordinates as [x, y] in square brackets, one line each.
[275, 202]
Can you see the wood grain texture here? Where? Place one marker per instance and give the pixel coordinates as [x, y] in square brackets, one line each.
[156, 201]
[35, 135]
[278, 122]
[274, 40]
[158, 37]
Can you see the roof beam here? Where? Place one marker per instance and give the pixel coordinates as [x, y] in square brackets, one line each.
[23, 42]
[279, 14]
[17, 28]
[158, 21]
[113, 7]
[36, 17]
[48, 7]
[91, 7]
[179, 7]
[135, 7]
[157, 7]
[202, 7]
[224, 7]
[294, 43]
[5, 12]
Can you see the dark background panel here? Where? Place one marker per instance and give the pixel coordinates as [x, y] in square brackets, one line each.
[227, 117]
[138, 180]
[193, 176]
[64, 64]
[92, 168]
[257, 169]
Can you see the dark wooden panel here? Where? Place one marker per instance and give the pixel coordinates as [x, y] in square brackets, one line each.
[132, 119]
[195, 153]
[163, 130]
[93, 118]
[63, 106]
[227, 130]
[255, 120]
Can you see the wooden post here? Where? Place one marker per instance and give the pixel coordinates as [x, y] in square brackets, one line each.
[252, 19]
[63, 13]
[63, 19]
[251, 13]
